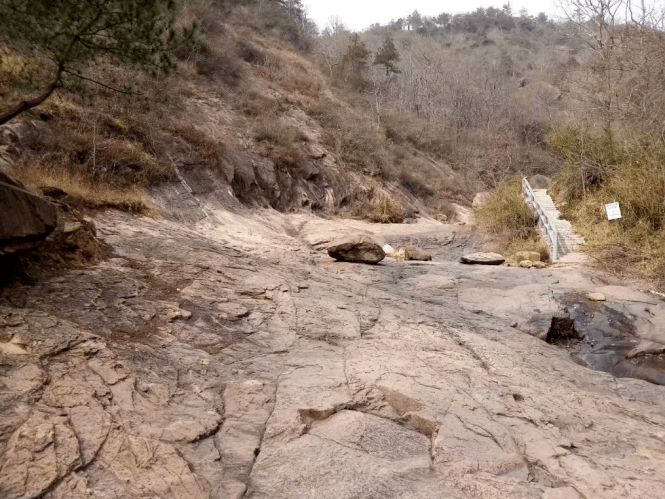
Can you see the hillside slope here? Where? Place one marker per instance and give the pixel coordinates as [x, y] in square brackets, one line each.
[246, 111]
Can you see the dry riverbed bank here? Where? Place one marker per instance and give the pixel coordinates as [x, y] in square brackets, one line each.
[228, 356]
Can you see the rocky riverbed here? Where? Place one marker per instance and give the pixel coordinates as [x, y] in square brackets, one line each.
[226, 355]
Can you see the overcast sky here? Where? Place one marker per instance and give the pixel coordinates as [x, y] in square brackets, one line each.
[359, 14]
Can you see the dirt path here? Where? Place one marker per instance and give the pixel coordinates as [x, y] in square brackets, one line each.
[231, 357]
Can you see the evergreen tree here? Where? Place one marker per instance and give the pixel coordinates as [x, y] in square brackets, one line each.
[355, 62]
[73, 33]
[388, 56]
[414, 20]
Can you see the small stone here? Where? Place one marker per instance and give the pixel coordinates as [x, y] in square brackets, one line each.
[596, 296]
[539, 265]
[12, 349]
[14, 320]
[526, 264]
[71, 227]
[413, 253]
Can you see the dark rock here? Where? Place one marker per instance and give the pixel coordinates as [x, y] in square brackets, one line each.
[483, 259]
[357, 250]
[25, 219]
[53, 192]
[562, 328]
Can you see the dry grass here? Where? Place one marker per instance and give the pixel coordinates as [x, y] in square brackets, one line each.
[210, 150]
[509, 221]
[386, 211]
[631, 173]
[36, 176]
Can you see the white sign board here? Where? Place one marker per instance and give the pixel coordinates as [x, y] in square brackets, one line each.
[613, 211]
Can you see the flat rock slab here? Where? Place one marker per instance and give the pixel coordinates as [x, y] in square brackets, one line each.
[360, 249]
[483, 259]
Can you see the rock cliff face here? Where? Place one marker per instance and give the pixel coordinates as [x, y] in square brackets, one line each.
[25, 219]
[231, 357]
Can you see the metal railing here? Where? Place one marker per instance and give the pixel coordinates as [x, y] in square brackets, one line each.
[543, 219]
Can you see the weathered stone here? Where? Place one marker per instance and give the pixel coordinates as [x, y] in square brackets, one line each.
[71, 227]
[232, 311]
[388, 250]
[25, 378]
[526, 264]
[358, 250]
[596, 297]
[483, 259]
[315, 151]
[417, 254]
[482, 198]
[646, 348]
[91, 425]
[25, 219]
[388, 381]
[149, 468]
[40, 452]
[539, 265]
[12, 349]
[561, 493]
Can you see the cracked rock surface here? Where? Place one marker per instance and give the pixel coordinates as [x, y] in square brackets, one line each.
[233, 358]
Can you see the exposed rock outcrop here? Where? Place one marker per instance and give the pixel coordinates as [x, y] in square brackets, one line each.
[228, 358]
[25, 219]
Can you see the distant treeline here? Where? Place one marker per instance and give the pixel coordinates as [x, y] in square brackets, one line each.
[481, 21]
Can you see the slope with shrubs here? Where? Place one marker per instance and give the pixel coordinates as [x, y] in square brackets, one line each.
[508, 220]
[628, 169]
[247, 108]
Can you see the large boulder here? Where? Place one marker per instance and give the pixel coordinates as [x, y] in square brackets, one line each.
[483, 259]
[360, 249]
[25, 219]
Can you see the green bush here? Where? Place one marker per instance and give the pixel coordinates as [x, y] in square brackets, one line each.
[506, 213]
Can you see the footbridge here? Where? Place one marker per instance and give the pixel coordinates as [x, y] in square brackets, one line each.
[557, 233]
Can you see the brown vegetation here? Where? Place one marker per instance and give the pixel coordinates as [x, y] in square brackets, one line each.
[510, 222]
